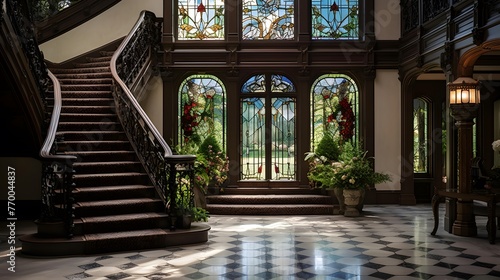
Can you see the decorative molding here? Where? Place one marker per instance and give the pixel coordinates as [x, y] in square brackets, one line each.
[71, 17]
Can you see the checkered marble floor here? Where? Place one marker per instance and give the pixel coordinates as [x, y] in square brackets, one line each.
[387, 242]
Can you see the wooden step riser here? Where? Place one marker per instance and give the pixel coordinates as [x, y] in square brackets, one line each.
[270, 200]
[57, 71]
[82, 182]
[118, 209]
[93, 64]
[114, 226]
[88, 102]
[89, 118]
[88, 126]
[94, 146]
[89, 88]
[83, 195]
[87, 94]
[125, 244]
[92, 136]
[81, 76]
[270, 210]
[85, 81]
[88, 109]
[122, 156]
[99, 59]
[108, 168]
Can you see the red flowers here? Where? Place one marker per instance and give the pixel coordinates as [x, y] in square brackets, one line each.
[347, 120]
[188, 120]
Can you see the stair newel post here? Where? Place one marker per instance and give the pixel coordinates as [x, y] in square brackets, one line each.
[181, 177]
[57, 213]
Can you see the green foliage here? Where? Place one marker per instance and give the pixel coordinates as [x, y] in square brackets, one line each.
[209, 145]
[328, 148]
[353, 170]
[199, 214]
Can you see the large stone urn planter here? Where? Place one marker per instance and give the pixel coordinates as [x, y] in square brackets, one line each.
[353, 200]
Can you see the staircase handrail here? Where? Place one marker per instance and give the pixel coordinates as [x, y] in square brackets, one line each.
[48, 148]
[57, 173]
[168, 172]
[156, 134]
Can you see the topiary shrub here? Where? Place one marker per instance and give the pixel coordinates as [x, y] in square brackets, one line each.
[328, 148]
[210, 143]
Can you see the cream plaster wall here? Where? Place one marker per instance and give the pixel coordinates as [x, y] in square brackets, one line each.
[152, 103]
[388, 127]
[387, 20]
[107, 27]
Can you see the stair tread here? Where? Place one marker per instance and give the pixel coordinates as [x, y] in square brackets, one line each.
[90, 132]
[94, 142]
[98, 152]
[76, 176]
[100, 163]
[118, 187]
[117, 202]
[123, 217]
[267, 205]
[89, 122]
[121, 234]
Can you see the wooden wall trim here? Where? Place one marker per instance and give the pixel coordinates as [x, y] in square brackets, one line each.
[71, 17]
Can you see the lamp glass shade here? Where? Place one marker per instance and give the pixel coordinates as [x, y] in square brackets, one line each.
[464, 90]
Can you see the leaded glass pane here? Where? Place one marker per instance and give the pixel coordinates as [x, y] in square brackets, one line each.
[253, 152]
[420, 146]
[268, 19]
[200, 19]
[334, 108]
[256, 83]
[335, 19]
[202, 109]
[268, 129]
[283, 136]
[281, 83]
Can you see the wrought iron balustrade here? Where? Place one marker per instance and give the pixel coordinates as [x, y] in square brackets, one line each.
[57, 170]
[168, 172]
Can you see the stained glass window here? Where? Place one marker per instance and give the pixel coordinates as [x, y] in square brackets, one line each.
[335, 19]
[334, 108]
[420, 147]
[268, 129]
[200, 19]
[268, 19]
[202, 108]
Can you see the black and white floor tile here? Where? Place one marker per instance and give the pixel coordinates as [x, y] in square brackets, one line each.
[387, 242]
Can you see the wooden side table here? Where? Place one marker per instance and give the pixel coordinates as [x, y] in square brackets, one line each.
[491, 200]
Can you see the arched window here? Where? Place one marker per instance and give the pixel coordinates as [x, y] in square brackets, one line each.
[334, 108]
[268, 128]
[335, 19]
[420, 135]
[268, 20]
[200, 19]
[202, 109]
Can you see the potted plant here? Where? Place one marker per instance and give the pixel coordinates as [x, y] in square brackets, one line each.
[320, 161]
[187, 212]
[213, 165]
[352, 174]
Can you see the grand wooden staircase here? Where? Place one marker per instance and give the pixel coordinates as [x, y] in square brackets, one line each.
[116, 207]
